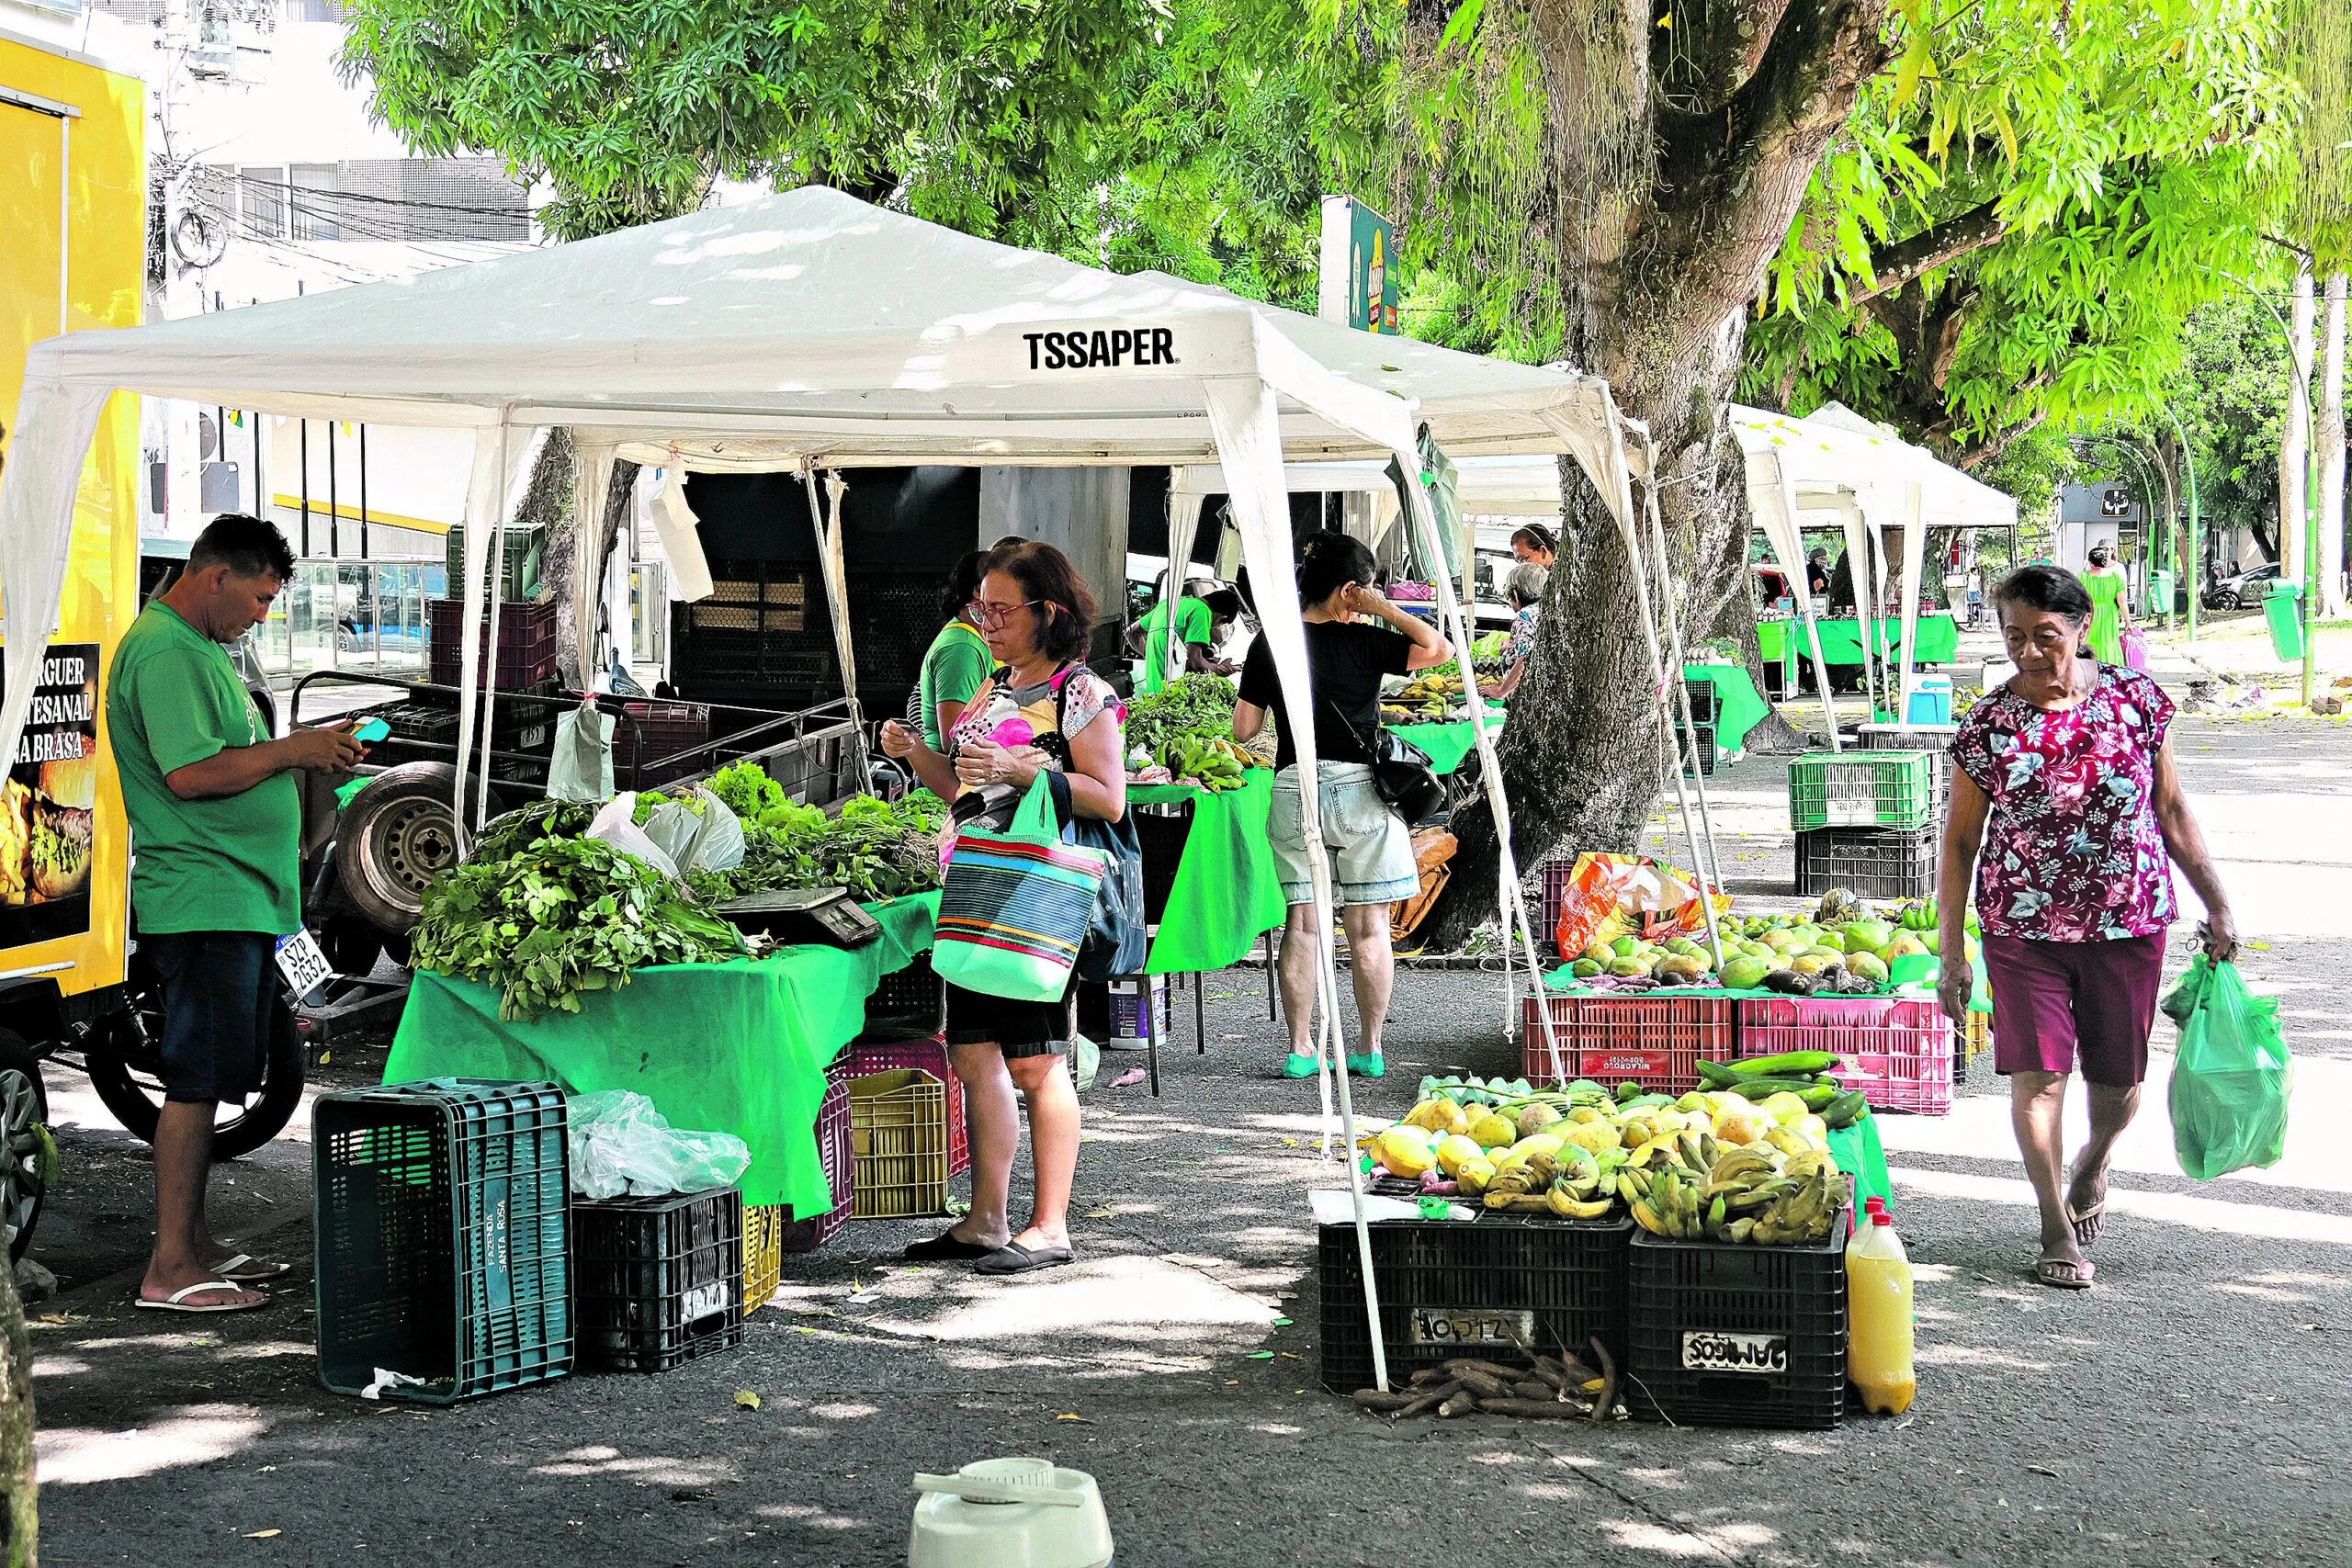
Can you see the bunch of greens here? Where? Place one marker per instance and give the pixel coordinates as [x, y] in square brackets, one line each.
[559, 916]
[1195, 704]
[873, 848]
[510, 832]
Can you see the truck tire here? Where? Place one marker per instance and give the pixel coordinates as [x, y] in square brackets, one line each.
[24, 1116]
[395, 836]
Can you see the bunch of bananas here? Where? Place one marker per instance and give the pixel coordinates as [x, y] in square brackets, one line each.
[1754, 1192]
[1214, 761]
[1430, 695]
[1566, 1180]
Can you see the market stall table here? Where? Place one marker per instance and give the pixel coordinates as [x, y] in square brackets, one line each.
[1739, 706]
[1841, 638]
[738, 1047]
[1448, 742]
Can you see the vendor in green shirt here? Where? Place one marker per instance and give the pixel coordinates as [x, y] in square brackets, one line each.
[958, 663]
[216, 826]
[1195, 630]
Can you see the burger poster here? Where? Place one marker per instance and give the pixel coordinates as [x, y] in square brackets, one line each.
[48, 804]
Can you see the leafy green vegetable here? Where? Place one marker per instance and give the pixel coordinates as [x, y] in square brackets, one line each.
[558, 917]
[1195, 704]
[511, 831]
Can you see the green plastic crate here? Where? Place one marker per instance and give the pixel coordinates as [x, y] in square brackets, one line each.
[441, 1223]
[1861, 789]
[524, 549]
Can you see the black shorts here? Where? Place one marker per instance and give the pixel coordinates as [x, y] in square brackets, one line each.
[1023, 1029]
[220, 1001]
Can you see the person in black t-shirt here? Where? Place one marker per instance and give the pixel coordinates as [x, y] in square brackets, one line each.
[1370, 852]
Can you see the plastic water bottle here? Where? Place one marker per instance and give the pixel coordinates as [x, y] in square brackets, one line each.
[1878, 1319]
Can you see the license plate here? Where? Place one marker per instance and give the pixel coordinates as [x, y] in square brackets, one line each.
[1764, 1353]
[303, 966]
[1472, 1326]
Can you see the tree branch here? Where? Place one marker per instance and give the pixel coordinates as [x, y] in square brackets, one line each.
[1977, 457]
[1899, 262]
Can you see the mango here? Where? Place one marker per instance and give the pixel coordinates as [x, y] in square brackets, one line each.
[1585, 968]
[1626, 946]
[1535, 1117]
[1833, 940]
[1740, 1126]
[1626, 968]
[1455, 1152]
[1594, 1136]
[1785, 1108]
[1905, 946]
[1494, 1130]
[1869, 966]
[1473, 1175]
[1807, 964]
[1405, 1150]
[1745, 973]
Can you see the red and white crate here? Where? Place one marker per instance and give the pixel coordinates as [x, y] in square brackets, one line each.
[1655, 1040]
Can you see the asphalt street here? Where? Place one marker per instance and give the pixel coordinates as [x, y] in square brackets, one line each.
[2188, 1410]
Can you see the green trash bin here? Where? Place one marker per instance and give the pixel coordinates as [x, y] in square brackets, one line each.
[2283, 608]
[2160, 589]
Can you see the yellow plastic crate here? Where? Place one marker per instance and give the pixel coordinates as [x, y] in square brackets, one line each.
[1979, 1037]
[898, 1130]
[762, 1253]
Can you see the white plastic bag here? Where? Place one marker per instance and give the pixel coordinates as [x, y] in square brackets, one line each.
[613, 826]
[703, 836]
[622, 1144]
[581, 767]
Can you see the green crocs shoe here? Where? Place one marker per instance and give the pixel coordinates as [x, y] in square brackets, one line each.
[1297, 1066]
[1374, 1065]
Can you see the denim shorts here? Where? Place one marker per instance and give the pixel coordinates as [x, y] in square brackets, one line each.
[1370, 852]
[221, 998]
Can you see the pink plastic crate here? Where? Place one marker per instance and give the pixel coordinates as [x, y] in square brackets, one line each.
[929, 1056]
[1555, 892]
[1898, 1053]
[833, 1153]
[1656, 1040]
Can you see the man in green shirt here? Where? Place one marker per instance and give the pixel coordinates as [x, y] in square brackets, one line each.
[216, 862]
[1196, 637]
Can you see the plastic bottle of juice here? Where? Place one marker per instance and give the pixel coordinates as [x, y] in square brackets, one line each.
[1878, 1319]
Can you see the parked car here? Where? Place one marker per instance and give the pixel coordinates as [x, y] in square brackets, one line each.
[2242, 590]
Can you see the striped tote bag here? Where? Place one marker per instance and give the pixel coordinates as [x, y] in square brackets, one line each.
[1016, 905]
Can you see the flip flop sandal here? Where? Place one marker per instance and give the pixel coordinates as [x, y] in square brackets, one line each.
[2077, 1219]
[2061, 1275]
[1014, 1258]
[178, 1300]
[945, 1247]
[245, 1269]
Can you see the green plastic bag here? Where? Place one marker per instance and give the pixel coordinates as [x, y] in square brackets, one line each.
[2232, 1077]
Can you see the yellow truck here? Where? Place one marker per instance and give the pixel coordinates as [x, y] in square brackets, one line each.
[73, 195]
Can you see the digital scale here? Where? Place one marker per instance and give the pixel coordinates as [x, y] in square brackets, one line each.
[794, 914]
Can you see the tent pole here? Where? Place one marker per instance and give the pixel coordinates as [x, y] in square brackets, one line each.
[1711, 874]
[1812, 623]
[1633, 542]
[1508, 903]
[1247, 431]
[1915, 545]
[829, 555]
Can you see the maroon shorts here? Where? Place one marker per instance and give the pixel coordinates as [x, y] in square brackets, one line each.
[2054, 1002]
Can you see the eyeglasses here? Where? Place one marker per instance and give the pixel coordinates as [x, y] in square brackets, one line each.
[997, 614]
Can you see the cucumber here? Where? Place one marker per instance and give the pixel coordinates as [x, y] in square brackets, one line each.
[1806, 1090]
[1786, 1062]
[1844, 1110]
[1717, 1075]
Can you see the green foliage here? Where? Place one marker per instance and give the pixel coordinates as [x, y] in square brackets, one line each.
[631, 108]
[1197, 703]
[559, 917]
[2132, 150]
[873, 848]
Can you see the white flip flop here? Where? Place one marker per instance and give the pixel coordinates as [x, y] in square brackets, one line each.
[246, 1268]
[178, 1300]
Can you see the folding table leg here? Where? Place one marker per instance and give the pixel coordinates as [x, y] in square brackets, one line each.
[1151, 1034]
[1200, 1019]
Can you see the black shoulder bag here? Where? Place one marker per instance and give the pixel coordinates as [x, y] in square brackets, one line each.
[1402, 773]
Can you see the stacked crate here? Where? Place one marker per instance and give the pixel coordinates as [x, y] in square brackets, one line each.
[1704, 708]
[1865, 821]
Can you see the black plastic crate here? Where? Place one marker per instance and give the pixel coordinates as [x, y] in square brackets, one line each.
[1874, 863]
[1450, 1288]
[657, 1282]
[906, 1005]
[1161, 832]
[1704, 701]
[440, 1222]
[1724, 1335]
[1706, 748]
[837, 1158]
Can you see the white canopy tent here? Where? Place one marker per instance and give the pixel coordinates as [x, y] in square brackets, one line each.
[814, 331]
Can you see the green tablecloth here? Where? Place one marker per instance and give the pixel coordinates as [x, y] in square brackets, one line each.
[1738, 707]
[1841, 639]
[1859, 1155]
[738, 1047]
[1448, 743]
[1227, 890]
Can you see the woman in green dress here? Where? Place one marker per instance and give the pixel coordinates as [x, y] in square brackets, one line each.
[2109, 614]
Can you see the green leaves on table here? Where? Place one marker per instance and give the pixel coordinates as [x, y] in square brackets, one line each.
[559, 917]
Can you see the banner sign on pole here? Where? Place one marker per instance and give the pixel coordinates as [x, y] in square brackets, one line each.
[1357, 272]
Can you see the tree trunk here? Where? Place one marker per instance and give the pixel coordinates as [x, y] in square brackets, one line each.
[19, 1512]
[1671, 203]
[547, 504]
[2292, 450]
[2331, 453]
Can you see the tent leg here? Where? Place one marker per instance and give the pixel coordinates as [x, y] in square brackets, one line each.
[1200, 1019]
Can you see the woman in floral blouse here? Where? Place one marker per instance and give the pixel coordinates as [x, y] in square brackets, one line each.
[2066, 804]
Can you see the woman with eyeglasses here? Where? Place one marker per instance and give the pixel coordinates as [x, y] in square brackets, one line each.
[1041, 709]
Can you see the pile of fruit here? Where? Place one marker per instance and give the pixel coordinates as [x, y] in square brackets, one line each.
[1578, 1153]
[1186, 728]
[1431, 697]
[1842, 950]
